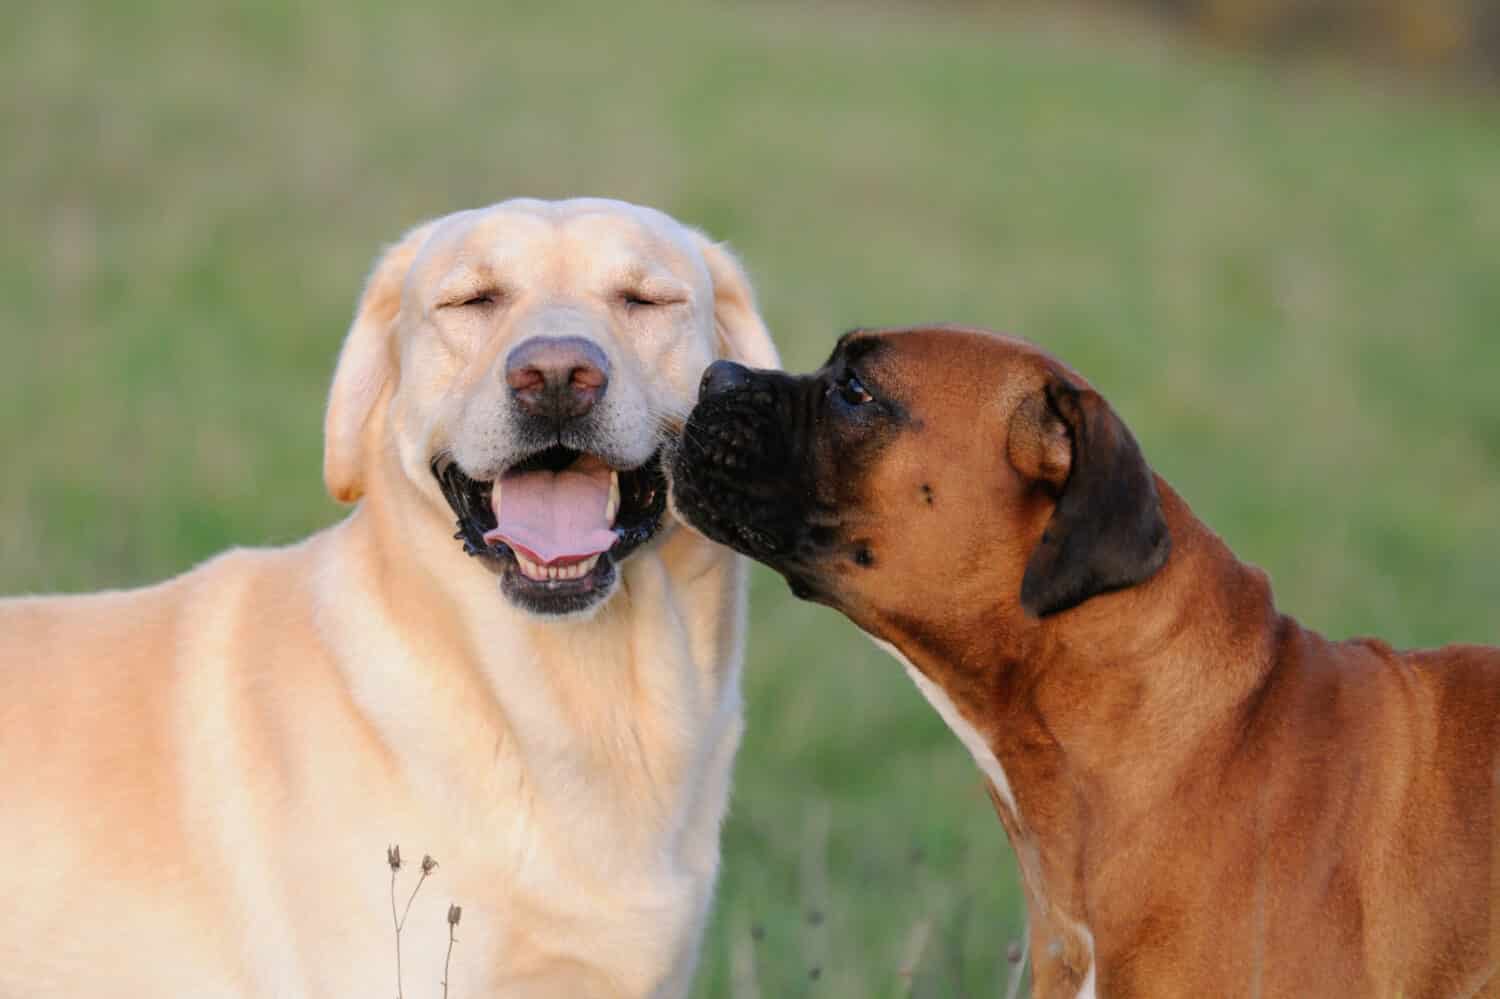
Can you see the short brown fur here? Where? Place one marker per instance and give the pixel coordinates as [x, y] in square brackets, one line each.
[1210, 799]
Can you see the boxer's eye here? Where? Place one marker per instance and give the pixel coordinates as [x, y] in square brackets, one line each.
[852, 392]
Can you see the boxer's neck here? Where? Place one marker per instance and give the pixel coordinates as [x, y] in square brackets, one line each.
[1094, 714]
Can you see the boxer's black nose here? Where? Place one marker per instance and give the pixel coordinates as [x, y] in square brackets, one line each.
[722, 376]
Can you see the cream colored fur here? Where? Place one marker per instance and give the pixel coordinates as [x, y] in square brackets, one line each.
[201, 777]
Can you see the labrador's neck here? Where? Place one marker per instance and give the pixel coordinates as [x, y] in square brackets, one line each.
[635, 707]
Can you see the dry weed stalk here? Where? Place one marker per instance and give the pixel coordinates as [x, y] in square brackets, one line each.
[455, 913]
[393, 858]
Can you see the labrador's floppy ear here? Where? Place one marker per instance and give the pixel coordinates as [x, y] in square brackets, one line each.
[366, 365]
[742, 336]
[1107, 530]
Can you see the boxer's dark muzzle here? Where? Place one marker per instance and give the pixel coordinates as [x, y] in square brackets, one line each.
[744, 474]
[768, 467]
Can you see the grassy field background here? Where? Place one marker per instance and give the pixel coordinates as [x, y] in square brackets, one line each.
[1288, 284]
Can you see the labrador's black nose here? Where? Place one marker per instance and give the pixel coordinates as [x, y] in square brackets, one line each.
[558, 378]
[723, 376]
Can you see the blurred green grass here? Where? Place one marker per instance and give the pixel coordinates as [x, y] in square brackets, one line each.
[1290, 288]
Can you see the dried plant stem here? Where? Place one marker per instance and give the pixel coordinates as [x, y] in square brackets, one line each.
[396, 923]
[420, 878]
[399, 923]
[455, 913]
[446, 958]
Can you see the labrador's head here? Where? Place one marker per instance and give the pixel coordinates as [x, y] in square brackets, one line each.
[526, 363]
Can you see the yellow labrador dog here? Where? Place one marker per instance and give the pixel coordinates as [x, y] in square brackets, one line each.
[200, 778]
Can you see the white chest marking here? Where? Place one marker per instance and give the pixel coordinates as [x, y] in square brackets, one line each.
[985, 757]
[967, 733]
[1087, 990]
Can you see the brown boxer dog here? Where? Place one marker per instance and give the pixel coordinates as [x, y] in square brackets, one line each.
[1204, 798]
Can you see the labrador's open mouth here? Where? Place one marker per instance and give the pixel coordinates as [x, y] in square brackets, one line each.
[556, 525]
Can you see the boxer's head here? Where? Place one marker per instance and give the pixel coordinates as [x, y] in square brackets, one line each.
[919, 470]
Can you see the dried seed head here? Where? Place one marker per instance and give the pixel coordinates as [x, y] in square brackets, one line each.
[393, 856]
[455, 913]
[428, 864]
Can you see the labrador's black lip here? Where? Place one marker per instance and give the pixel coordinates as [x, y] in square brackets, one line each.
[643, 503]
[470, 500]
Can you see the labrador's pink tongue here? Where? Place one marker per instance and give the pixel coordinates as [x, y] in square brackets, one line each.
[554, 516]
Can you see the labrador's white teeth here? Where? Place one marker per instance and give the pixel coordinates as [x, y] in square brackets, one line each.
[612, 505]
[578, 569]
[555, 573]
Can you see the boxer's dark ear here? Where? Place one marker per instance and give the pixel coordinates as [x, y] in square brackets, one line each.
[1107, 531]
